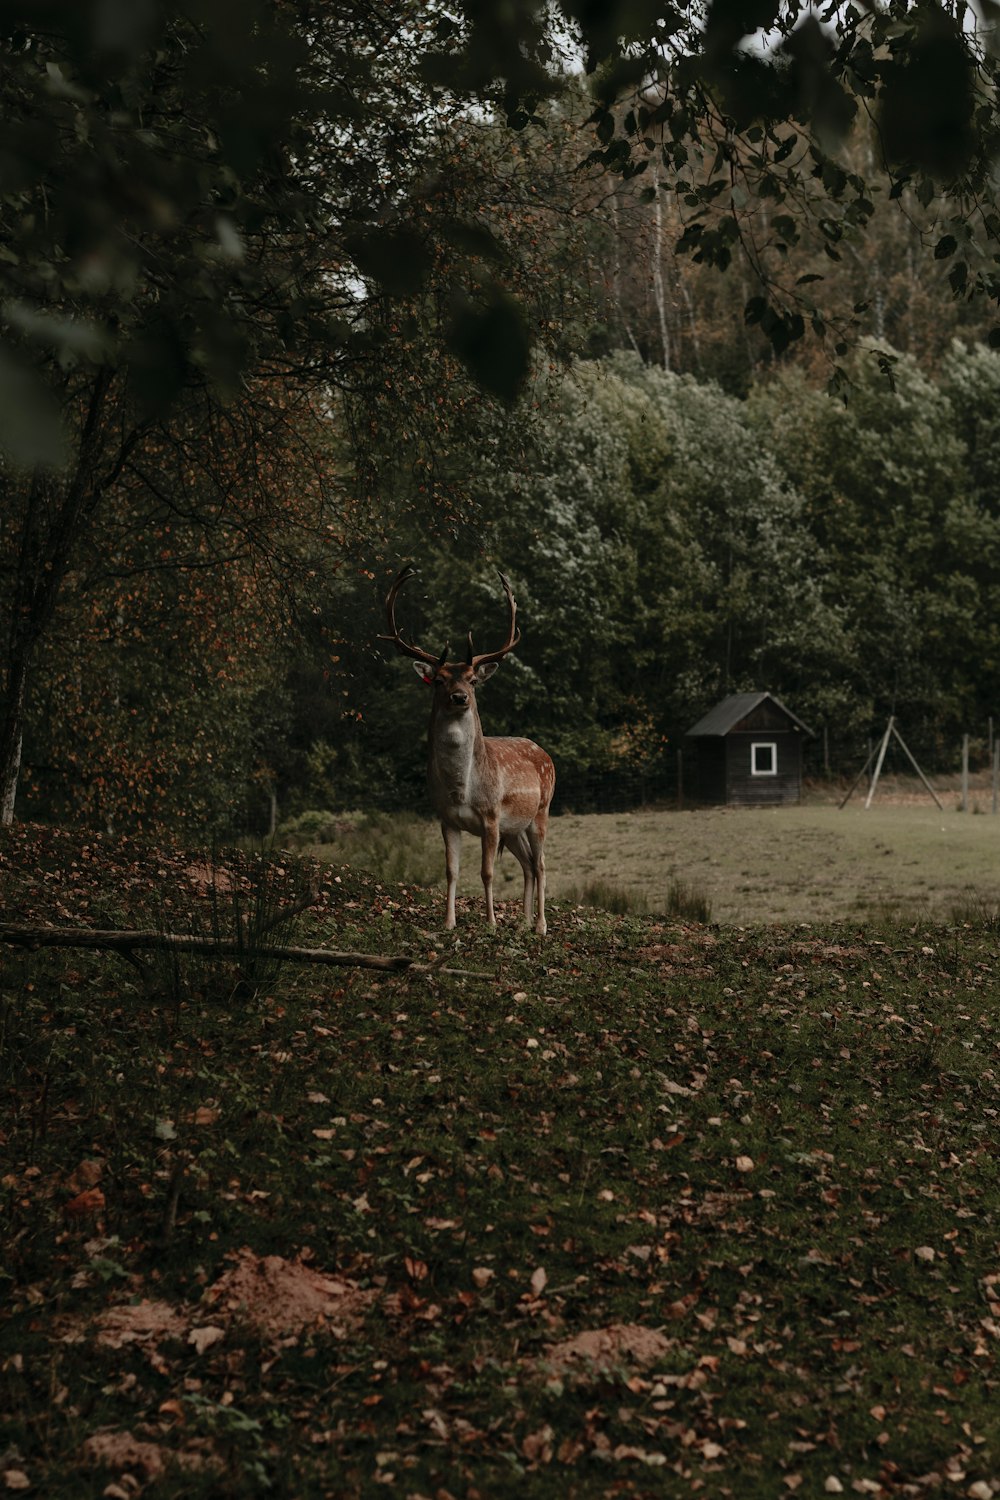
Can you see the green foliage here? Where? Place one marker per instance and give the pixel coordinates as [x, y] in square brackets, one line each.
[669, 544]
[394, 213]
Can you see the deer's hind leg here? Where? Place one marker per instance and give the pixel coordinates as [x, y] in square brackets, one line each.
[535, 839]
[521, 850]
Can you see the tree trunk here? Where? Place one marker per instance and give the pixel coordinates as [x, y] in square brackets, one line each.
[56, 514]
[11, 739]
[659, 292]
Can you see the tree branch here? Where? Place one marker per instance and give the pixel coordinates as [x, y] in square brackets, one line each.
[128, 941]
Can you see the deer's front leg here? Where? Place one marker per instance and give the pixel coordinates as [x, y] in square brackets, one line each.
[452, 860]
[491, 842]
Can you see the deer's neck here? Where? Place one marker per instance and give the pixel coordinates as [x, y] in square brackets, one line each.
[456, 756]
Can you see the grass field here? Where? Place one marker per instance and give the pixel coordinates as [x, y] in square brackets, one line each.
[644, 1208]
[814, 863]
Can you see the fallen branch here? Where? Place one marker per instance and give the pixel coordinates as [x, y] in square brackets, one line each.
[128, 942]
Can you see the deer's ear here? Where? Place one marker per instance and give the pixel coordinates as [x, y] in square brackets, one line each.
[485, 672]
[424, 671]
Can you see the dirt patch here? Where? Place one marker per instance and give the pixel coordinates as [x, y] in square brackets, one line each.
[144, 1323]
[119, 1449]
[279, 1297]
[598, 1350]
[207, 877]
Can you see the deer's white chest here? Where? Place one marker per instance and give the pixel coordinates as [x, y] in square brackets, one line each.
[453, 773]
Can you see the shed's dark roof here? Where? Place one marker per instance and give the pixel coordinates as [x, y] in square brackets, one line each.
[727, 714]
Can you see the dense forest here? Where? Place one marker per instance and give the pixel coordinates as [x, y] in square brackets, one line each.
[726, 414]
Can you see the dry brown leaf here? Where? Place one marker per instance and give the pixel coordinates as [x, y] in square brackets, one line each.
[85, 1204]
[86, 1175]
[537, 1446]
[204, 1338]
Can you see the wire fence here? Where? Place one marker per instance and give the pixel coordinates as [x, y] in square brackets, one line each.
[829, 760]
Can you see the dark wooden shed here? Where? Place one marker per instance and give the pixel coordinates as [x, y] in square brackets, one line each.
[748, 752]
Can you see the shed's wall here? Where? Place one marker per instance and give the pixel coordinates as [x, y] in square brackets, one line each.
[711, 770]
[743, 789]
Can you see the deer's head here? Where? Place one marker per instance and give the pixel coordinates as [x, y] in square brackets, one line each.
[454, 683]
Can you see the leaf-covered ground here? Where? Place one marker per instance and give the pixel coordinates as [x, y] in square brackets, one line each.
[645, 1209]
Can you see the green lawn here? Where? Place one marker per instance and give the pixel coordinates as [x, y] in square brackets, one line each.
[814, 863]
[644, 1209]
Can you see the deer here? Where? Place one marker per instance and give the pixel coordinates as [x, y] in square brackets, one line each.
[497, 788]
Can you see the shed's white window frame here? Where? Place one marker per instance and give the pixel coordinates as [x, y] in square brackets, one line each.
[757, 770]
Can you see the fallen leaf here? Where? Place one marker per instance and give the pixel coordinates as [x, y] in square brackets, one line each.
[204, 1338]
[537, 1446]
[16, 1479]
[87, 1175]
[670, 1087]
[925, 1252]
[746, 1164]
[539, 1278]
[482, 1276]
[91, 1201]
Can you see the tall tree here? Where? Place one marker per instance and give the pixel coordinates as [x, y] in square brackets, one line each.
[198, 201]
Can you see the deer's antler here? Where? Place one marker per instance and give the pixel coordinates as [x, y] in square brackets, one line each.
[513, 634]
[417, 652]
